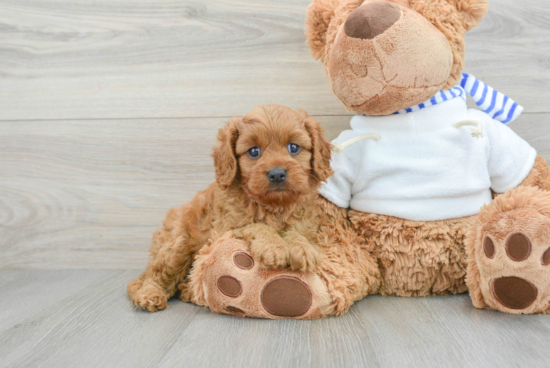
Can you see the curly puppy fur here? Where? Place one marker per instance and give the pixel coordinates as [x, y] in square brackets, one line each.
[280, 220]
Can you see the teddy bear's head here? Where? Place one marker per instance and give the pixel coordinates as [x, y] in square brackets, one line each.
[382, 56]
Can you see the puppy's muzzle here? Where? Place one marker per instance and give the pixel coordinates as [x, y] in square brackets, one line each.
[277, 175]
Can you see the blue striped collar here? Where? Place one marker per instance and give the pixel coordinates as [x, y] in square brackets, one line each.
[441, 96]
[497, 105]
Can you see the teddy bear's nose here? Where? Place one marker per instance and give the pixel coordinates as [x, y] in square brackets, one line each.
[371, 20]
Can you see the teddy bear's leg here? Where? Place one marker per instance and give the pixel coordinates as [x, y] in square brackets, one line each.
[417, 258]
[509, 253]
[226, 279]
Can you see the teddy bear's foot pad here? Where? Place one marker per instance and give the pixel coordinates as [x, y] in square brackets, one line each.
[296, 302]
[230, 286]
[231, 282]
[282, 296]
[514, 262]
[514, 292]
[511, 291]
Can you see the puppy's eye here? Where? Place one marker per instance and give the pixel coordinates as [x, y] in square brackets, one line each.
[254, 153]
[294, 149]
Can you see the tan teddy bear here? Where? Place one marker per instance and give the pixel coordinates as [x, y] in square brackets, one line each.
[419, 169]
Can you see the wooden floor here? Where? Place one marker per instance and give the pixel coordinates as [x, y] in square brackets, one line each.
[108, 112]
[84, 319]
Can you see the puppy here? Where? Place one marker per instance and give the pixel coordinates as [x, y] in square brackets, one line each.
[269, 165]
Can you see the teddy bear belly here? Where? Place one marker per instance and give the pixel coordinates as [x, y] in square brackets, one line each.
[417, 258]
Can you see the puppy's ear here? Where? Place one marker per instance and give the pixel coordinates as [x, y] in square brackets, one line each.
[320, 151]
[472, 12]
[225, 157]
[318, 17]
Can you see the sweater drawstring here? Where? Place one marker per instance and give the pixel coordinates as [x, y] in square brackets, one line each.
[477, 131]
[339, 148]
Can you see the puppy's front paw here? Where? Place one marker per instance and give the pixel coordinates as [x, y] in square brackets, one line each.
[150, 298]
[274, 255]
[304, 257]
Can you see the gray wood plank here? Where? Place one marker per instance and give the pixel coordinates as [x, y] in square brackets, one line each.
[331, 342]
[72, 189]
[448, 332]
[517, 31]
[89, 194]
[62, 59]
[97, 326]
[25, 293]
[377, 332]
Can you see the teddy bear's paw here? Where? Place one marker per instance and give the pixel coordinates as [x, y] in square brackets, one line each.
[150, 298]
[513, 258]
[233, 282]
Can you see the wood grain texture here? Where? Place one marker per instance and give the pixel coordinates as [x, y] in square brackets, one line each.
[92, 59]
[97, 326]
[24, 294]
[89, 194]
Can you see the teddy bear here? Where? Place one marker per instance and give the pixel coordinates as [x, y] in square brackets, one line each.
[427, 198]
[450, 199]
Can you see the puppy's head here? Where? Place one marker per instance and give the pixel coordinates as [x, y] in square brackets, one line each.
[274, 154]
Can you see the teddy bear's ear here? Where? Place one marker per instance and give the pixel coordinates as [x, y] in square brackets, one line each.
[318, 16]
[472, 12]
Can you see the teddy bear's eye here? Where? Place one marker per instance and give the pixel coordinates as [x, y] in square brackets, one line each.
[294, 149]
[254, 152]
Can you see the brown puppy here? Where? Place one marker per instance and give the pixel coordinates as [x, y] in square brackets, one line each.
[269, 165]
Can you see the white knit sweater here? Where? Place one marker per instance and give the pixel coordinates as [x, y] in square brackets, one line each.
[424, 169]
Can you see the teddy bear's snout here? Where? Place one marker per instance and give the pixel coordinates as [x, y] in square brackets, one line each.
[371, 20]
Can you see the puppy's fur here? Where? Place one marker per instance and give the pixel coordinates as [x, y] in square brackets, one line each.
[279, 220]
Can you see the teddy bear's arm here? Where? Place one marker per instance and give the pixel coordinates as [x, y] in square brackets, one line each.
[539, 175]
[510, 157]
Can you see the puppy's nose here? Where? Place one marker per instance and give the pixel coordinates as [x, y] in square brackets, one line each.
[371, 20]
[276, 175]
